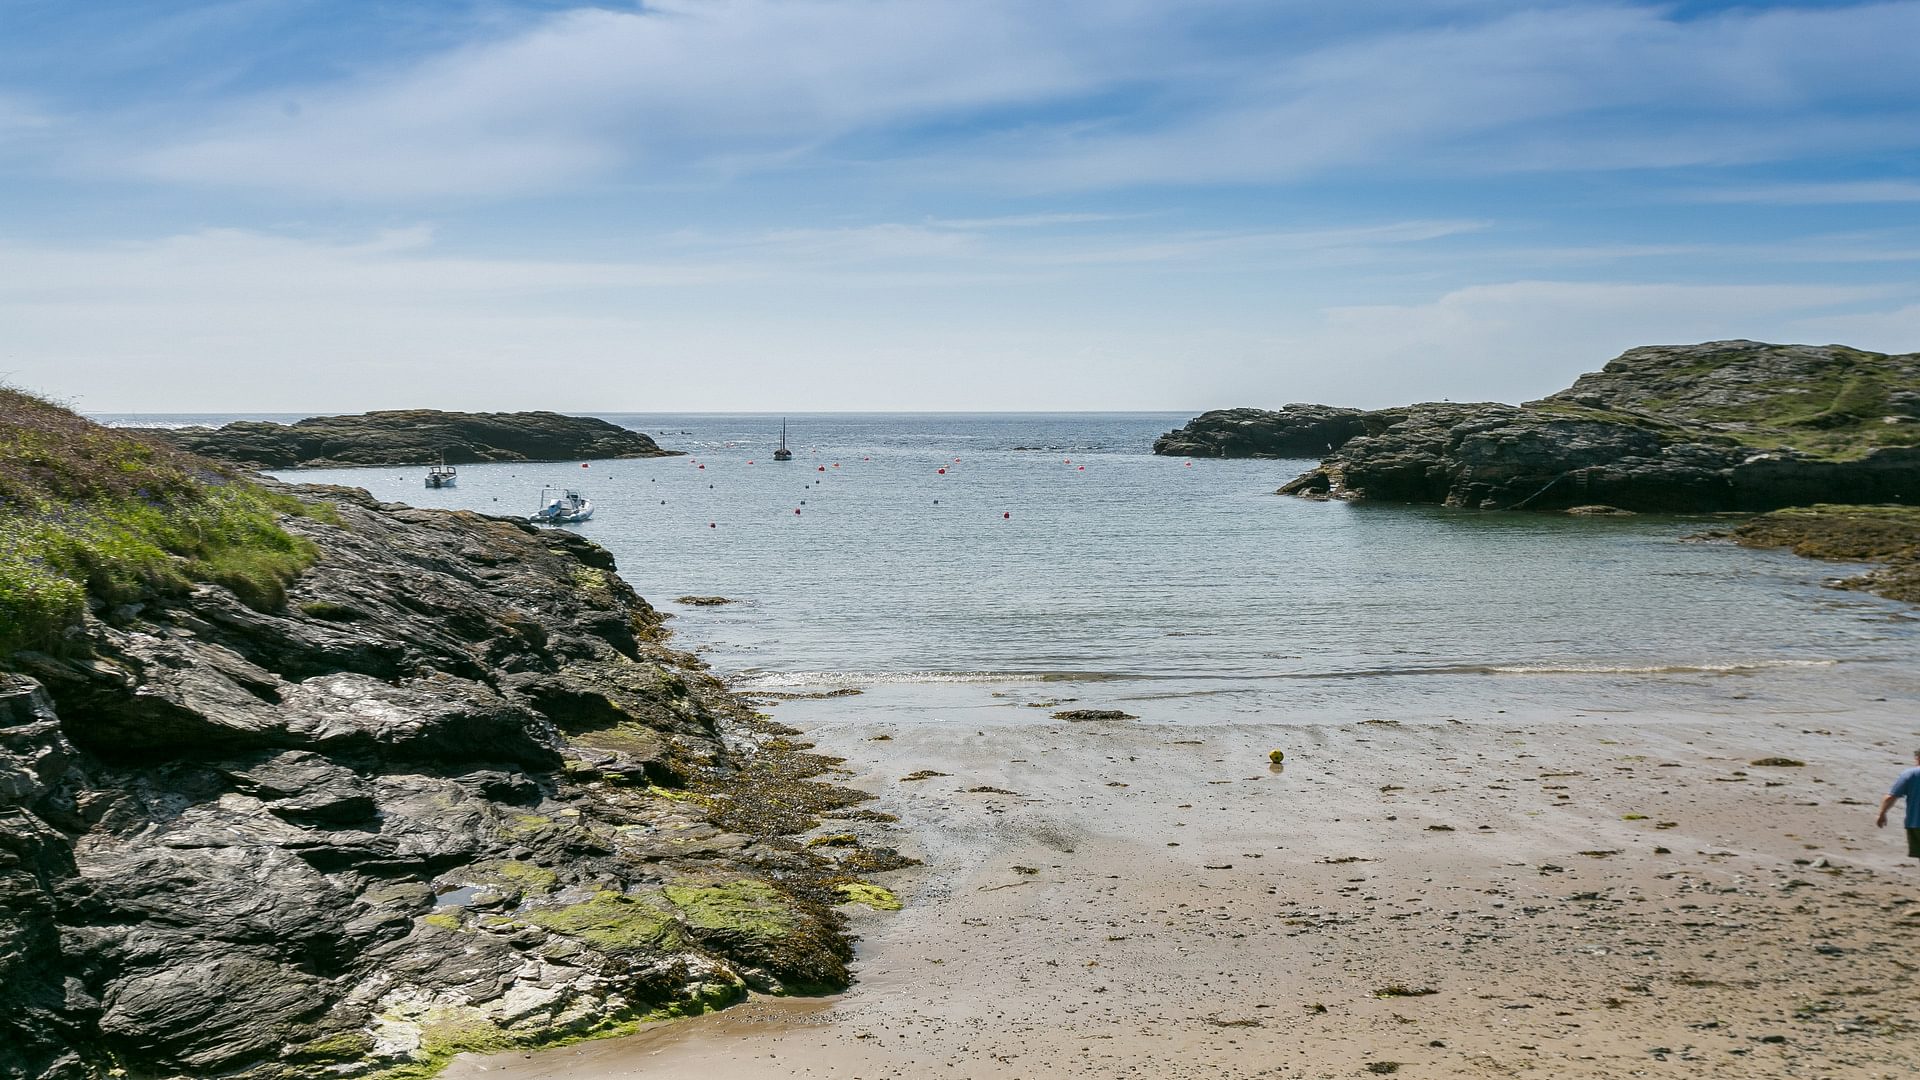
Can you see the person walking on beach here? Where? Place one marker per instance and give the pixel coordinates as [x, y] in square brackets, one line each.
[1907, 787]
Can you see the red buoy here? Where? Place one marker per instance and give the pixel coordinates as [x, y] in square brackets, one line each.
[823, 468]
[942, 472]
[1004, 516]
[796, 511]
[583, 464]
[1082, 468]
[711, 525]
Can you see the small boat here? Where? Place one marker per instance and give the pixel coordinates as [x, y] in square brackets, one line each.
[567, 508]
[783, 454]
[442, 475]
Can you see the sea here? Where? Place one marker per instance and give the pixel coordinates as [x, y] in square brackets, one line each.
[987, 568]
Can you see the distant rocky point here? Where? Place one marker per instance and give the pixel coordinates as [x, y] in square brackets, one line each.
[1297, 431]
[1724, 425]
[413, 437]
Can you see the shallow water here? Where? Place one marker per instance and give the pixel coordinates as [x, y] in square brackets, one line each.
[1090, 569]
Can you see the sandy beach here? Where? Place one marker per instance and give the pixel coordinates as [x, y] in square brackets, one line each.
[1476, 895]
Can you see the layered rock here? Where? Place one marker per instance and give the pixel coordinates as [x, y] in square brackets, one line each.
[1297, 431]
[453, 794]
[1732, 425]
[413, 437]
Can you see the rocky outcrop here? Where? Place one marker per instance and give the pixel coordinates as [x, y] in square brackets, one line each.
[1732, 425]
[453, 794]
[1297, 431]
[1887, 535]
[413, 437]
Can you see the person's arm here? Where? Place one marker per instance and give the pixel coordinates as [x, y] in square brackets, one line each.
[1886, 804]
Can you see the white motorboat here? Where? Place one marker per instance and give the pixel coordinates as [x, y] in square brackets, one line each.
[566, 508]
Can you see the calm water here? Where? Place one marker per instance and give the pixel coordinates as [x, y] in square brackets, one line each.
[1057, 558]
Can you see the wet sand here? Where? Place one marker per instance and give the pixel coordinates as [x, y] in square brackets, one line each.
[1570, 896]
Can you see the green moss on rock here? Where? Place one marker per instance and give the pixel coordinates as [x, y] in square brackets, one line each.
[873, 896]
[613, 922]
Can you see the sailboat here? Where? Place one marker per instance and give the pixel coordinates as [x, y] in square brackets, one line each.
[783, 454]
[442, 475]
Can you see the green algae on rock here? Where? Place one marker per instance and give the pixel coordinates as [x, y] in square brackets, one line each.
[1888, 534]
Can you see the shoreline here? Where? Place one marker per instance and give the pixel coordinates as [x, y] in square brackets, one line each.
[1143, 899]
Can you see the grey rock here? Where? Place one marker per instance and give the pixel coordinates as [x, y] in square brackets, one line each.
[222, 830]
[1297, 431]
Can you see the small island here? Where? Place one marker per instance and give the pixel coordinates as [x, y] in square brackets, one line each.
[411, 437]
[1718, 426]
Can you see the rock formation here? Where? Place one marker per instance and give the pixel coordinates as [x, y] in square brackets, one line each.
[1297, 431]
[1887, 535]
[446, 789]
[1727, 425]
[413, 437]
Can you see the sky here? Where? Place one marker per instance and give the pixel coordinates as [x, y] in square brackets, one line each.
[824, 205]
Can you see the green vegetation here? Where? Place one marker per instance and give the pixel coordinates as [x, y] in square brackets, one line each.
[1840, 413]
[524, 876]
[89, 515]
[874, 896]
[743, 909]
[613, 922]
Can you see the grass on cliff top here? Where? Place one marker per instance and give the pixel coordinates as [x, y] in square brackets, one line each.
[1841, 415]
[92, 515]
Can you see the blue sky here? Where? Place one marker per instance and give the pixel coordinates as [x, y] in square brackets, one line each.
[318, 205]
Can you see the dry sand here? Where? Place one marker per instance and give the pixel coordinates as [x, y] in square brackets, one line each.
[1565, 897]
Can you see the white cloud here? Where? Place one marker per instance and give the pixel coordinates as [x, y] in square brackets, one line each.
[227, 319]
[1525, 339]
[858, 317]
[1071, 95]
[728, 83]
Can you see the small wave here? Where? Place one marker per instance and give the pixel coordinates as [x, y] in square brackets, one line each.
[1552, 668]
[754, 680]
[1653, 669]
